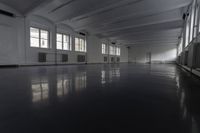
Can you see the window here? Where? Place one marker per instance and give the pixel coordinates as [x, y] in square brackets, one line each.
[198, 18]
[180, 46]
[112, 50]
[187, 34]
[39, 38]
[80, 45]
[104, 51]
[196, 21]
[118, 51]
[63, 42]
[192, 20]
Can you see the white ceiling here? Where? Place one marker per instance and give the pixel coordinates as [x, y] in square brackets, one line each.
[142, 22]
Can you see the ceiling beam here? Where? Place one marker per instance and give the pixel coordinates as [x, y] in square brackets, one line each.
[149, 28]
[36, 6]
[149, 19]
[137, 11]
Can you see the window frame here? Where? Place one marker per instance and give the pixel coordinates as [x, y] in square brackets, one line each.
[82, 46]
[40, 37]
[112, 50]
[104, 48]
[62, 42]
[118, 51]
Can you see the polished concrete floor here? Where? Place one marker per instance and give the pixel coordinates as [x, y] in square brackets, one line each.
[99, 98]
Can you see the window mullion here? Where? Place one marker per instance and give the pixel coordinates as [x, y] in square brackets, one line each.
[39, 38]
[62, 42]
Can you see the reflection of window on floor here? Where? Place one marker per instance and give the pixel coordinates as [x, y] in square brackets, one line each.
[63, 87]
[114, 73]
[40, 91]
[80, 81]
[103, 76]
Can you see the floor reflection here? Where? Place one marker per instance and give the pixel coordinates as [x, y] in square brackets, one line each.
[40, 90]
[111, 91]
[109, 75]
[80, 81]
[103, 77]
[187, 116]
[64, 85]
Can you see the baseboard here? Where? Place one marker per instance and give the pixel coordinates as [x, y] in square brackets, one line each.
[193, 71]
[196, 72]
[8, 66]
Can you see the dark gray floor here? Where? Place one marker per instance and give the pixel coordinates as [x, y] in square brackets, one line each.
[99, 98]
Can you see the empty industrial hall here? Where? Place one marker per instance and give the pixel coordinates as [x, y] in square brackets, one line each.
[99, 66]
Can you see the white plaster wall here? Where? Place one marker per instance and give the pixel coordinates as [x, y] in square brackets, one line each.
[162, 53]
[94, 48]
[124, 54]
[11, 40]
[15, 43]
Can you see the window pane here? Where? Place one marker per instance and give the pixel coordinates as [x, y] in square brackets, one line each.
[44, 34]
[81, 45]
[66, 42]
[112, 50]
[70, 43]
[65, 46]
[59, 37]
[103, 49]
[34, 42]
[118, 51]
[76, 44]
[187, 33]
[59, 45]
[44, 43]
[65, 38]
[34, 32]
[85, 46]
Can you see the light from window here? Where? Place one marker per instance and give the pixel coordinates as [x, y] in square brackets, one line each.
[44, 39]
[35, 37]
[104, 49]
[180, 46]
[118, 51]
[112, 50]
[187, 35]
[80, 45]
[192, 20]
[39, 38]
[63, 42]
[196, 21]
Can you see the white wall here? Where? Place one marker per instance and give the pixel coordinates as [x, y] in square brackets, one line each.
[94, 50]
[15, 43]
[124, 54]
[162, 53]
[11, 40]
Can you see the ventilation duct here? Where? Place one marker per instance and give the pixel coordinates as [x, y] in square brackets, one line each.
[6, 13]
[81, 33]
